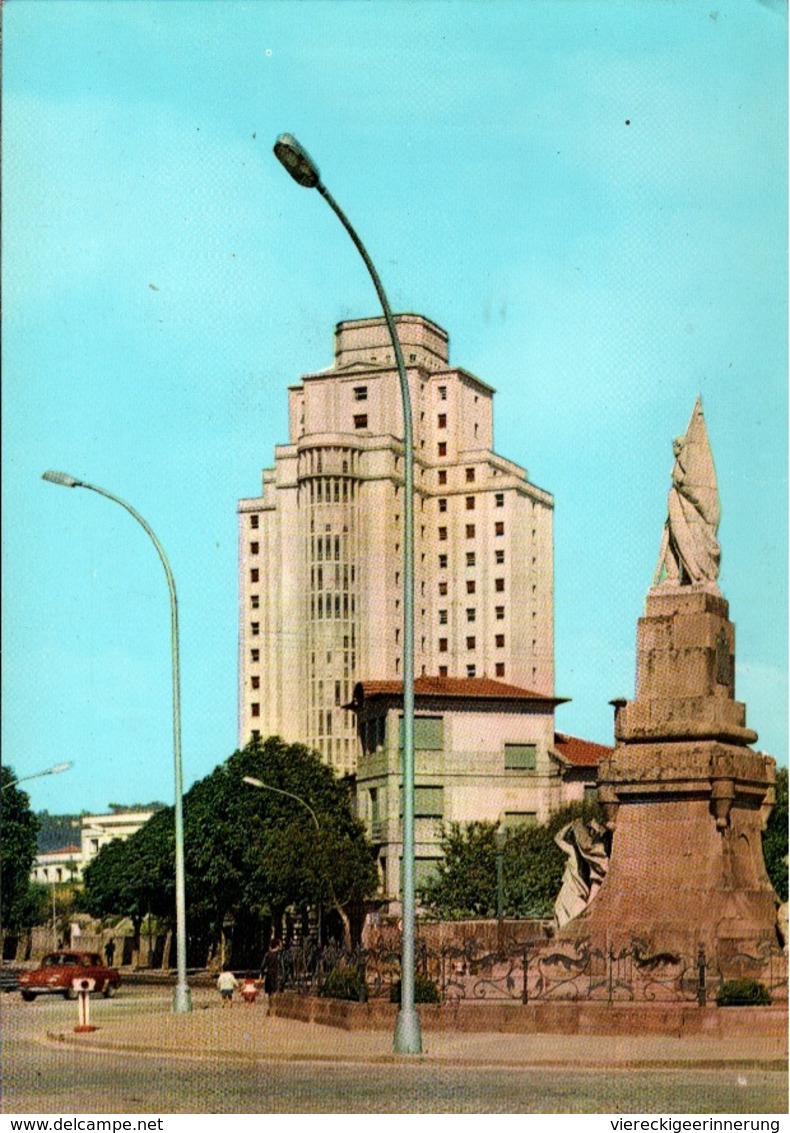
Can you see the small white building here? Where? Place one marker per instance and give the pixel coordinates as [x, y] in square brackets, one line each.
[68, 864]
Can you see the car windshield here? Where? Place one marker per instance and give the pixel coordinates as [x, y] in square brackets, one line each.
[55, 959]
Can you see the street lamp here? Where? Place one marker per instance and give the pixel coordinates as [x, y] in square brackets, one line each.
[407, 1038]
[182, 997]
[56, 769]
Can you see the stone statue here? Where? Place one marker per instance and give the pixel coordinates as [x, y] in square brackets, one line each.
[585, 845]
[690, 551]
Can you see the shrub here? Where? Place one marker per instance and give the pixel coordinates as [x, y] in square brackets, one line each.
[344, 982]
[743, 993]
[425, 990]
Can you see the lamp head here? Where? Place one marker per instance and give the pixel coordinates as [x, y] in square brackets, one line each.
[500, 840]
[63, 478]
[297, 161]
[59, 767]
[252, 782]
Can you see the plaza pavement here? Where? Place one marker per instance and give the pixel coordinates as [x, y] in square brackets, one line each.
[246, 1033]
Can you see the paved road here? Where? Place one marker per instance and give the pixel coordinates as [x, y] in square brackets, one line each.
[51, 1078]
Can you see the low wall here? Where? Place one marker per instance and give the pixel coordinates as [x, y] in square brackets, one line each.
[580, 1018]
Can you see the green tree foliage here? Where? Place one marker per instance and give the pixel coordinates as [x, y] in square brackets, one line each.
[248, 852]
[17, 854]
[775, 838]
[465, 884]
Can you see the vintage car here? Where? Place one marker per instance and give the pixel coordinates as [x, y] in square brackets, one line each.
[56, 973]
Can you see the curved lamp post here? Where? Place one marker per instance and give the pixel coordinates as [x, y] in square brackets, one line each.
[57, 769]
[182, 997]
[407, 1039]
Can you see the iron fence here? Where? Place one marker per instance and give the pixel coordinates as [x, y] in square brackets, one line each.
[532, 971]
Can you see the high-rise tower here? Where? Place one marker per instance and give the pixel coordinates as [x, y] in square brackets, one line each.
[321, 549]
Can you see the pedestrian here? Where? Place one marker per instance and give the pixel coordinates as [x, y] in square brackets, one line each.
[109, 951]
[227, 984]
[272, 967]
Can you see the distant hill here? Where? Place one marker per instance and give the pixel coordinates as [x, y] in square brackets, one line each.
[60, 830]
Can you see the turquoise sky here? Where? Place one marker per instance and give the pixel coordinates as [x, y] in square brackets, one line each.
[589, 196]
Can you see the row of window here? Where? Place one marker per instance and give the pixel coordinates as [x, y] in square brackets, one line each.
[471, 642]
[471, 614]
[471, 670]
[361, 392]
[499, 501]
[499, 529]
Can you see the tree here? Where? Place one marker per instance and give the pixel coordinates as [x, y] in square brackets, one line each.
[532, 867]
[249, 853]
[775, 838]
[17, 854]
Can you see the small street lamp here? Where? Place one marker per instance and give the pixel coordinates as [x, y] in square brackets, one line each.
[182, 997]
[407, 1039]
[57, 769]
[500, 841]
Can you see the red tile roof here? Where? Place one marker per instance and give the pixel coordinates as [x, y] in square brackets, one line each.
[467, 687]
[581, 753]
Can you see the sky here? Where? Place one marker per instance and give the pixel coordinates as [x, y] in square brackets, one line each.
[590, 196]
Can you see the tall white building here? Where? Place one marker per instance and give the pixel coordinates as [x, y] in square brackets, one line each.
[321, 548]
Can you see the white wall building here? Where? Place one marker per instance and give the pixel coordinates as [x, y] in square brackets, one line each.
[96, 830]
[321, 555]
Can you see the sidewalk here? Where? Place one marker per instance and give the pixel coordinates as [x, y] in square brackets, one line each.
[247, 1034]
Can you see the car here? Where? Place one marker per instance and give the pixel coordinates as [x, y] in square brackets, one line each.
[58, 970]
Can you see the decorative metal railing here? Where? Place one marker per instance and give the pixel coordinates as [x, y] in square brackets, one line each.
[543, 970]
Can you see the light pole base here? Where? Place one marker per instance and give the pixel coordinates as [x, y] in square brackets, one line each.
[182, 1000]
[408, 1039]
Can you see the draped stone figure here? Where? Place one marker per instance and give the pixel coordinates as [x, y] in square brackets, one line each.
[690, 551]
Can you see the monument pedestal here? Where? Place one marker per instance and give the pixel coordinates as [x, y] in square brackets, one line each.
[684, 795]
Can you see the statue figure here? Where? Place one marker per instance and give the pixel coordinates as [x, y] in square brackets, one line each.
[586, 846]
[689, 548]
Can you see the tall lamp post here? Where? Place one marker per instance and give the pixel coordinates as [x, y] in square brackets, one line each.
[57, 769]
[407, 1038]
[182, 997]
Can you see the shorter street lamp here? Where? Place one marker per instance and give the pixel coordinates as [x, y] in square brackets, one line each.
[500, 841]
[57, 769]
[182, 996]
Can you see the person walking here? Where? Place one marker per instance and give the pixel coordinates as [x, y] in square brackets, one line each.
[227, 984]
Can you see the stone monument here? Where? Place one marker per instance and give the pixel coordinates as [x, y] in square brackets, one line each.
[683, 794]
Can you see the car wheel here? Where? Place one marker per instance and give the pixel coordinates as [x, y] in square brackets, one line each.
[109, 990]
[70, 993]
[28, 996]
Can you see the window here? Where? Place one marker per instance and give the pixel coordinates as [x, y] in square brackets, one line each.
[470, 530]
[255, 629]
[442, 644]
[428, 802]
[442, 670]
[255, 708]
[470, 475]
[499, 528]
[470, 614]
[442, 475]
[471, 671]
[471, 585]
[442, 448]
[470, 643]
[254, 601]
[442, 588]
[255, 656]
[500, 613]
[442, 533]
[442, 617]
[254, 574]
[428, 733]
[500, 641]
[442, 562]
[255, 682]
[360, 393]
[520, 757]
[254, 521]
[442, 393]
[254, 548]
[499, 584]
[500, 668]
[470, 503]
[442, 422]
[516, 818]
[499, 499]
[256, 735]
[443, 504]
[500, 557]
[360, 420]
[470, 558]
